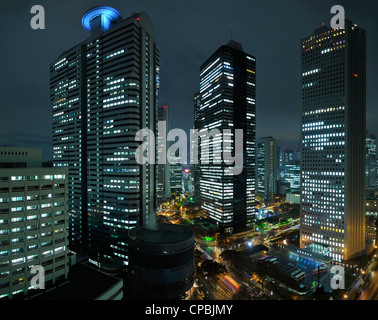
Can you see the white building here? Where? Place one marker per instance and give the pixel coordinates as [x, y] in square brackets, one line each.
[333, 141]
[33, 220]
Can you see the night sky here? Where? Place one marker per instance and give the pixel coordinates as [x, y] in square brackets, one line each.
[187, 33]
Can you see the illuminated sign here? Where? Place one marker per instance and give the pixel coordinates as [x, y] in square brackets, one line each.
[108, 17]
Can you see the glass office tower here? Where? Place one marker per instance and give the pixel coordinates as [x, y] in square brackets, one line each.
[267, 167]
[333, 141]
[163, 170]
[293, 175]
[371, 160]
[226, 100]
[103, 91]
[176, 181]
[33, 221]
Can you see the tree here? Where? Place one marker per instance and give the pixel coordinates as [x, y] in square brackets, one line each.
[214, 269]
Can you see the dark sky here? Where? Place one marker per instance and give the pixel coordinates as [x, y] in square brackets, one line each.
[187, 33]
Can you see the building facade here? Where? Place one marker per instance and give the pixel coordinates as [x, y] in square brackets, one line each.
[267, 167]
[291, 172]
[371, 160]
[103, 91]
[176, 179]
[287, 155]
[33, 221]
[372, 206]
[227, 100]
[163, 170]
[293, 175]
[333, 141]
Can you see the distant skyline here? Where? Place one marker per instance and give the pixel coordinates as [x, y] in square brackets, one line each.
[187, 32]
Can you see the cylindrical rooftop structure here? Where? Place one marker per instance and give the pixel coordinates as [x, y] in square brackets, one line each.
[161, 262]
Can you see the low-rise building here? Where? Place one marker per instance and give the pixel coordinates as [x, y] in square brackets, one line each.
[33, 221]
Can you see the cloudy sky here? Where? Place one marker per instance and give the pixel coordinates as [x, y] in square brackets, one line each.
[187, 33]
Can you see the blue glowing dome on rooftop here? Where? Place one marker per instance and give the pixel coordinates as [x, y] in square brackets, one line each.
[100, 17]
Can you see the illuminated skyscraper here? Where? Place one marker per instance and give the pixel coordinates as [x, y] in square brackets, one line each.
[176, 182]
[267, 167]
[371, 160]
[292, 175]
[287, 156]
[103, 91]
[196, 167]
[33, 223]
[163, 170]
[333, 141]
[290, 172]
[226, 100]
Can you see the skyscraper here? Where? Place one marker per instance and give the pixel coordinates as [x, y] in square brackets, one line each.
[371, 160]
[293, 175]
[226, 100]
[267, 167]
[176, 181]
[287, 156]
[290, 172]
[333, 141]
[163, 170]
[33, 221]
[196, 167]
[103, 91]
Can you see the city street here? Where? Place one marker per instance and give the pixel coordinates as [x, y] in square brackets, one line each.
[370, 289]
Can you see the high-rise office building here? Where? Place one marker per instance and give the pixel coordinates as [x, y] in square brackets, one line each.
[187, 180]
[292, 175]
[163, 189]
[103, 91]
[290, 170]
[371, 160]
[226, 100]
[33, 221]
[333, 141]
[288, 155]
[196, 167]
[267, 167]
[176, 181]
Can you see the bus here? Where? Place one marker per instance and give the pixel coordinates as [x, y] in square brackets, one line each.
[273, 260]
[266, 258]
[293, 274]
[320, 270]
[300, 276]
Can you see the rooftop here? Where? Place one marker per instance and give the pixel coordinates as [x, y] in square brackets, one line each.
[84, 283]
[164, 234]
